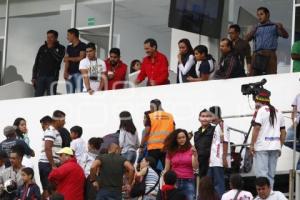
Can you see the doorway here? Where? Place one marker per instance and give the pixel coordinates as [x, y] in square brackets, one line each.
[99, 35]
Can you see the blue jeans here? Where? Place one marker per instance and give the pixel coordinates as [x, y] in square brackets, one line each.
[265, 164]
[105, 194]
[217, 174]
[130, 156]
[75, 83]
[188, 187]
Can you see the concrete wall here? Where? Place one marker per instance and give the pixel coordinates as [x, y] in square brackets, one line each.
[16, 90]
[98, 114]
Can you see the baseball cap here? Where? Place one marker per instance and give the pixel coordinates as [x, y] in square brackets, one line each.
[66, 150]
[263, 96]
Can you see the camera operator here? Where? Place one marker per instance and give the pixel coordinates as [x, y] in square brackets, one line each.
[267, 137]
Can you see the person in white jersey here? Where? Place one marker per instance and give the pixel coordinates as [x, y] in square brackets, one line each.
[237, 192]
[267, 137]
[93, 71]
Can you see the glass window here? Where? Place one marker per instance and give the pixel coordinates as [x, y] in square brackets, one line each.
[137, 20]
[29, 22]
[243, 12]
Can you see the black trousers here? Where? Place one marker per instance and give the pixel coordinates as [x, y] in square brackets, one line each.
[203, 165]
[45, 84]
[158, 155]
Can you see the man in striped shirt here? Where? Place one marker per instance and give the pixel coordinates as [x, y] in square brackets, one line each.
[52, 142]
[265, 36]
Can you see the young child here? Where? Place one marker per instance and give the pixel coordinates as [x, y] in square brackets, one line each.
[78, 144]
[30, 190]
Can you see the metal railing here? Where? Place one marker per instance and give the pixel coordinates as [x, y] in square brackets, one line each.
[294, 176]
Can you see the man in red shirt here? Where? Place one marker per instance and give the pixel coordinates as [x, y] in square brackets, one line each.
[116, 70]
[154, 66]
[69, 177]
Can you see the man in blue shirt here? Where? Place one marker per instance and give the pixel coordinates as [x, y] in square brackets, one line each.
[265, 37]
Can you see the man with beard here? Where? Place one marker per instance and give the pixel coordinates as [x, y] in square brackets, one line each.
[116, 70]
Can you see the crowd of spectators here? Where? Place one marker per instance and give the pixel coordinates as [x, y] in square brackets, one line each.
[131, 168]
[128, 167]
[84, 72]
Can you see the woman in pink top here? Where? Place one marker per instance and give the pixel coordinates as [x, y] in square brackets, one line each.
[182, 159]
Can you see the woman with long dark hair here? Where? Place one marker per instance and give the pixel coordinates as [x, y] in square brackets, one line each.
[128, 139]
[182, 158]
[207, 189]
[22, 134]
[21, 129]
[186, 61]
[135, 66]
[268, 136]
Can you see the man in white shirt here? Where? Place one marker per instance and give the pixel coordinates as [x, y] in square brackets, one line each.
[78, 145]
[93, 71]
[265, 192]
[268, 136]
[218, 160]
[236, 192]
[52, 143]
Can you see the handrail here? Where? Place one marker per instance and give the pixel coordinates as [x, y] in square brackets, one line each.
[250, 115]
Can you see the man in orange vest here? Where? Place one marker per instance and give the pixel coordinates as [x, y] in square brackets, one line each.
[158, 126]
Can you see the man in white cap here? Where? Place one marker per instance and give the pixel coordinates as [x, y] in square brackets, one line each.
[69, 177]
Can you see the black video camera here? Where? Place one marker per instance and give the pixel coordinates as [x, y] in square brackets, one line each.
[253, 88]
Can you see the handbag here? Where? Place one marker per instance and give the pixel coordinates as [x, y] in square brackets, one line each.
[139, 188]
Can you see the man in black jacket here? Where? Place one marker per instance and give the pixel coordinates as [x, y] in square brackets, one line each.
[202, 140]
[229, 65]
[47, 63]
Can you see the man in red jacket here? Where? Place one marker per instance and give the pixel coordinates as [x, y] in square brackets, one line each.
[69, 177]
[155, 66]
